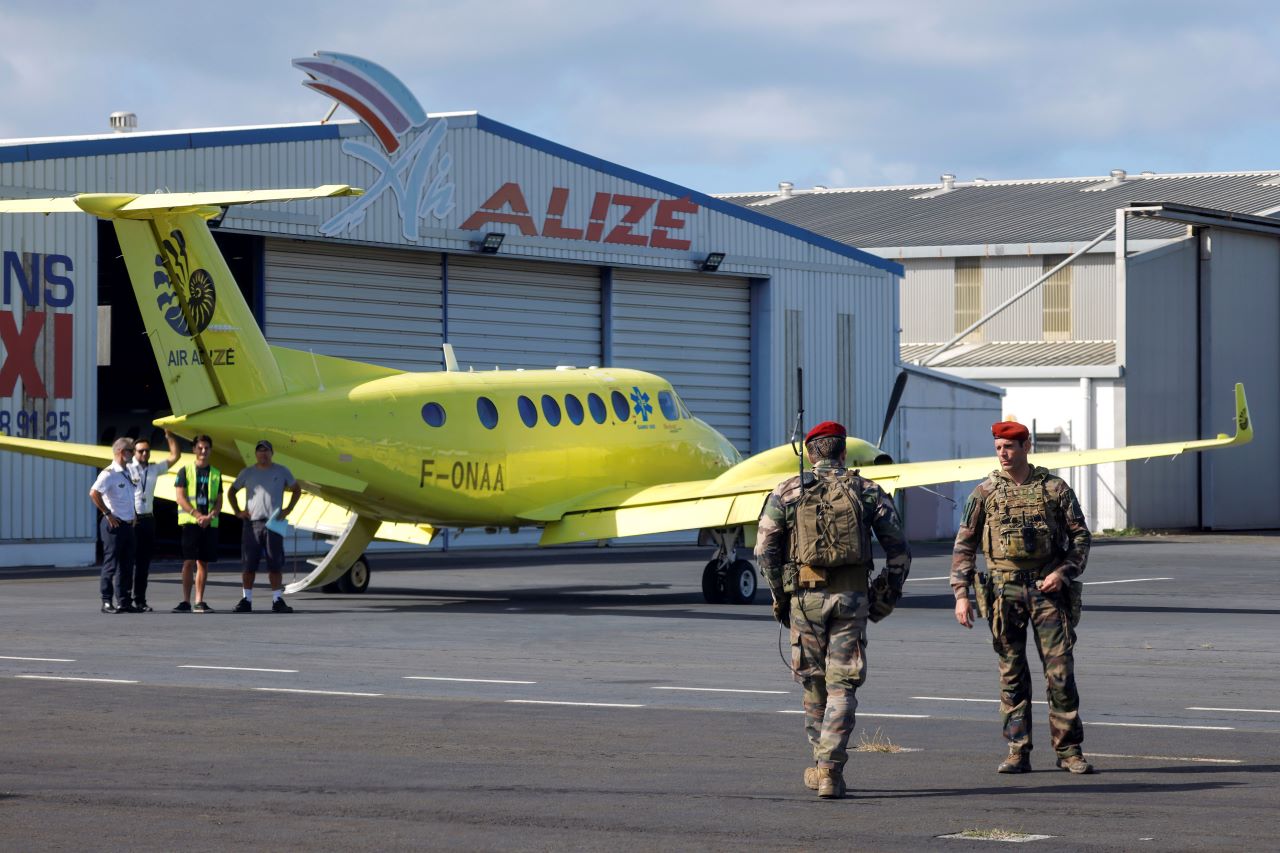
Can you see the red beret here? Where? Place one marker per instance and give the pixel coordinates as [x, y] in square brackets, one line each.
[824, 430]
[1011, 430]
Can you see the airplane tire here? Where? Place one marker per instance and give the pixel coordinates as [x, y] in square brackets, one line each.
[713, 584]
[330, 588]
[740, 585]
[356, 580]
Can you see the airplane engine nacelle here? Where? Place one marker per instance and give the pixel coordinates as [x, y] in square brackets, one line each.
[782, 460]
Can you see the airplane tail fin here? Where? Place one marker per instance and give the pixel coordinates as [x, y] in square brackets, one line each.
[206, 341]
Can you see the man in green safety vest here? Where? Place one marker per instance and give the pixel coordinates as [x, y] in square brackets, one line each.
[199, 492]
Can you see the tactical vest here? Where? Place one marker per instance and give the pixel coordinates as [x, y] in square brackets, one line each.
[830, 544]
[215, 488]
[1021, 531]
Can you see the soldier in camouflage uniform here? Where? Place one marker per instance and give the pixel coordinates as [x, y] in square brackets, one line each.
[1034, 537]
[824, 594]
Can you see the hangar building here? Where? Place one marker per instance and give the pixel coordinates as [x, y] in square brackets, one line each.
[1138, 340]
[597, 264]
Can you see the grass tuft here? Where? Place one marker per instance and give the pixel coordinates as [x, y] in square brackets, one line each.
[877, 742]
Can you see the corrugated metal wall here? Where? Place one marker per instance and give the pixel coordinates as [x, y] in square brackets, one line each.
[43, 499]
[1160, 378]
[694, 331]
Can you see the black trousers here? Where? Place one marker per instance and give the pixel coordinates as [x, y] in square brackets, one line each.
[117, 561]
[145, 545]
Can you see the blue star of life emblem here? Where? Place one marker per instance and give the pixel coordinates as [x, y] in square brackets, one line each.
[642, 405]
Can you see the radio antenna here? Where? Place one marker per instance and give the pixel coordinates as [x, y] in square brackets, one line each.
[797, 435]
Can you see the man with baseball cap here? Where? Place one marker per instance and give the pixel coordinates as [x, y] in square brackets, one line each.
[1036, 544]
[264, 482]
[814, 550]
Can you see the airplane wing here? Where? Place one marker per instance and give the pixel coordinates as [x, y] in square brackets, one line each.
[728, 501]
[313, 513]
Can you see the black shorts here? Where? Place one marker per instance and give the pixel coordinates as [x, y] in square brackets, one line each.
[257, 542]
[199, 543]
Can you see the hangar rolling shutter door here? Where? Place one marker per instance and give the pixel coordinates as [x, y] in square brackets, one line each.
[376, 305]
[526, 314]
[695, 332]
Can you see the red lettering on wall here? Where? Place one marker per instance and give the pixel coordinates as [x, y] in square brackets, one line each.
[666, 220]
[637, 207]
[20, 354]
[551, 226]
[62, 355]
[599, 210]
[508, 195]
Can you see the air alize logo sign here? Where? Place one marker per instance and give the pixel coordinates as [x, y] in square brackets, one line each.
[173, 273]
[417, 174]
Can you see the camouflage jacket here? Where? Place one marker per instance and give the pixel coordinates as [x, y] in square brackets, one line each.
[773, 540]
[1062, 504]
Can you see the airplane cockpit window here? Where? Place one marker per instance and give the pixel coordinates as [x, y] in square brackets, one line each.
[684, 410]
[573, 408]
[433, 414]
[528, 411]
[598, 412]
[621, 407]
[487, 412]
[551, 409]
[667, 403]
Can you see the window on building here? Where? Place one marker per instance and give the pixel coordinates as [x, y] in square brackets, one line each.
[598, 412]
[968, 296]
[573, 408]
[487, 412]
[846, 368]
[528, 411]
[1057, 300]
[433, 414]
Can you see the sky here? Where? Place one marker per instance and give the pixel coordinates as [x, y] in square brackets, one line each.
[717, 95]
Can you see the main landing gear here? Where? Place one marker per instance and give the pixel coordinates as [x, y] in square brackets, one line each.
[727, 579]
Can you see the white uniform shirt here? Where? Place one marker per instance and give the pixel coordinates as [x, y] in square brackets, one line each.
[117, 490]
[144, 480]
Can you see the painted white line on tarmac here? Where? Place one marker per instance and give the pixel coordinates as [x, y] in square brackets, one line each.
[1167, 758]
[1238, 710]
[70, 678]
[312, 692]
[467, 680]
[1163, 726]
[233, 668]
[939, 578]
[576, 704]
[957, 699]
[863, 714]
[1130, 580]
[724, 690]
[41, 660]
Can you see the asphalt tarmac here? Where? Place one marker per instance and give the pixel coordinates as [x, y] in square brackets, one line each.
[588, 699]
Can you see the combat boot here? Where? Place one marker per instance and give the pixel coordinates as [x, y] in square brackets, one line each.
[1016, 762]
[1075, 764]
[830, 783]
[811, 778]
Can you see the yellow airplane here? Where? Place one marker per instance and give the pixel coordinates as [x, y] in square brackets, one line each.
[585, 454]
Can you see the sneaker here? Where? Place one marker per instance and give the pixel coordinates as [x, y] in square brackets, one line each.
[830, 783]
[1017, 762]
[279, 606]
[108, 607]
[201, 607]
[126, 607]
[244, 605]
[1075, 764]
[142, 607]
[183, 607]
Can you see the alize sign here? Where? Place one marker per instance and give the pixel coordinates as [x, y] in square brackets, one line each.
[414, 168]
[508, 206]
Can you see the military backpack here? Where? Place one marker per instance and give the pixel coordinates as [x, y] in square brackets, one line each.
[828, 530]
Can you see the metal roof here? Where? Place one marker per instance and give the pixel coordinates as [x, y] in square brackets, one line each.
[1055, 210]
[1015, 354]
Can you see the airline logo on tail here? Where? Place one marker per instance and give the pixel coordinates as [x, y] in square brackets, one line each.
[201, 295]
[416, 172]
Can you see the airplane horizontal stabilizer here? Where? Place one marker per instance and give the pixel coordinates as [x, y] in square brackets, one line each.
[82, 454]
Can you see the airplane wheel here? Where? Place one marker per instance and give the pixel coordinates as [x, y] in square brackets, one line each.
[713, 584]
[356, 580]
[740, 585]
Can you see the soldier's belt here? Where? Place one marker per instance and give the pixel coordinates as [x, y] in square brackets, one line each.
[1027, 576]
[834, 578]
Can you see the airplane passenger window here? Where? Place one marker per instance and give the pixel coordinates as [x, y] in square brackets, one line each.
[621, 407]
[573, 408]
[668, 405]
[596, 405]
[487, 412]
[433, 414]
[551, 409]
[528, 411]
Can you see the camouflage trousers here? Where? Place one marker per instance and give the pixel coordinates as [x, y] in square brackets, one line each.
[828, 654]
[1017, 606]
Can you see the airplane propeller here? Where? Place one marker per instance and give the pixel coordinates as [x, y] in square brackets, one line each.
[895, 397]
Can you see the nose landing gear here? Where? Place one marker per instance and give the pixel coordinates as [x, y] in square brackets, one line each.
[727, 579]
